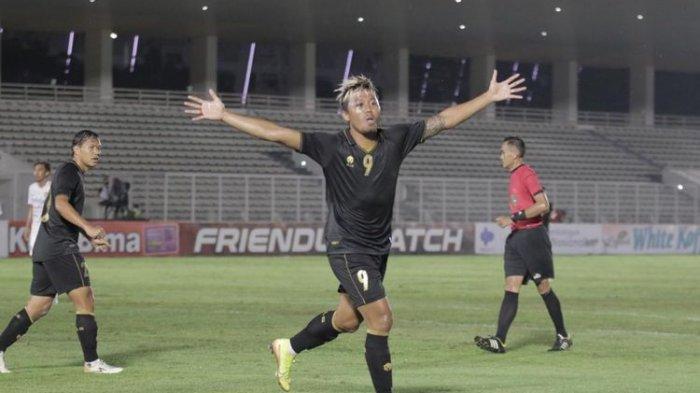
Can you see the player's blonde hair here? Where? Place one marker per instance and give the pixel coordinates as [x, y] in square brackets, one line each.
[353, 84]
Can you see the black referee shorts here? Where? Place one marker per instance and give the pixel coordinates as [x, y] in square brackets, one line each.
[528, 253]
[58, 275]
[361, 276]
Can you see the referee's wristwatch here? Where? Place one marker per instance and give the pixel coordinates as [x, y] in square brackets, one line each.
[519, 216]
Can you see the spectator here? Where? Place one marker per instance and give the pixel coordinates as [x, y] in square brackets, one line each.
[104, 196]
[120, 197]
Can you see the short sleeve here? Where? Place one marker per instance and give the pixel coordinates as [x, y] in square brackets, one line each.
[407, 136]
[29, 195]
[66, 181]
[319, 146]
[532, 184]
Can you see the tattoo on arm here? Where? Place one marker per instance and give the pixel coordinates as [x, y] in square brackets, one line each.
[433, 126]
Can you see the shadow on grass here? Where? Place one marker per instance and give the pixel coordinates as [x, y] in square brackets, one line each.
[123, 358]
[401, 389]
[427, 389]
[535, 338]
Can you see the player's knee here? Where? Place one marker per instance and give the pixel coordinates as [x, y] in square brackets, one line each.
[85, 308]
[385, 322]
[45, 308]
[39, 306]
[346, 320]
[513, 284]
[348, 326]
[543, 287]
[346, 323]
[83, 301]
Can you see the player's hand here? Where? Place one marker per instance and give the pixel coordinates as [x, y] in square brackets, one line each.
[201, 109]
[25, 235]
[504, 221]
[100, 244]
[505, 90]
[94, 232]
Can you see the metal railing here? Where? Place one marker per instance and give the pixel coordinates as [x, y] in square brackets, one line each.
[17, 91]
[605, 118]
[173, 98]
[677, 121]
[225, 197]
[260, 198]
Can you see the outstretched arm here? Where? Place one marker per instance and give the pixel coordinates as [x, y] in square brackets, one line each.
[262, 129]
[455, 115]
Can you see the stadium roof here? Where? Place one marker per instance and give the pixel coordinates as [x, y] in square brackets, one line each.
[595, 32]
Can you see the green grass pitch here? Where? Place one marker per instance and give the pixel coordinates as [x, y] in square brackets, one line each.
[203, 325]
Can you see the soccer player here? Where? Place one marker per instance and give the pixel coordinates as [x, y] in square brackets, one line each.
[37, 193]
[528, 251]
[58, 266]
[361, 166]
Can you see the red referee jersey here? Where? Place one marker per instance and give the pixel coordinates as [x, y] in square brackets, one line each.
[524, 185]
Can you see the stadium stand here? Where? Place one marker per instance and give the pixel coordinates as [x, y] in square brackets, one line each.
[142, 142]
[153, 139]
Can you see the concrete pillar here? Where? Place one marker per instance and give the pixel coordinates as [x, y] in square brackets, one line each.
[0, 56]
[98, 62]
[403, 81]
[481, 70]
[303, 86]
[1, 53]
[394, 79]
[642, 92]
[203, 59]
[565, 91]
[303, 83]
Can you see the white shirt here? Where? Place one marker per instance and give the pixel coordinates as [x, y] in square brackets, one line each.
[36, 197]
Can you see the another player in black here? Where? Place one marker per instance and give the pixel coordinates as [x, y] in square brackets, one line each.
[361, 166]
[58, 266]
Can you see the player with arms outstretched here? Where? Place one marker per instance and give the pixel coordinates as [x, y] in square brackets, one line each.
[361, 166]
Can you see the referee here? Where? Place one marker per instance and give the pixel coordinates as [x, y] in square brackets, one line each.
[361, 167]
[528, 251]
[58, 266]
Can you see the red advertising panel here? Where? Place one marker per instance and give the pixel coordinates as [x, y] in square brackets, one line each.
[139, 238]
[125, 238]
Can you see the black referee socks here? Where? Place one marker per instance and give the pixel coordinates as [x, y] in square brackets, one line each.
[509, 307]
[18, 326]
[318, 332]
[554, 308]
